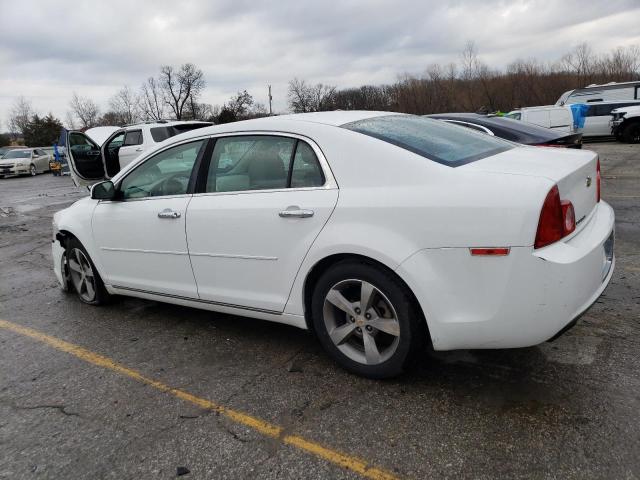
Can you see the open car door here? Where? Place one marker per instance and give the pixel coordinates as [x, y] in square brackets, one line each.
[84, 155]
[85, 159]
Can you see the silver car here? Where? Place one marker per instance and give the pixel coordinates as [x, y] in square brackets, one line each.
[24, 161]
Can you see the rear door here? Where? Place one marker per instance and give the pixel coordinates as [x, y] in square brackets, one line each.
[86, 163]
[110, 152]
[132, 147]
[596, 122]
[263, 201]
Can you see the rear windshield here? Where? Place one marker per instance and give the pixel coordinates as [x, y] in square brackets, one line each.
[160, 134]
[432, 139]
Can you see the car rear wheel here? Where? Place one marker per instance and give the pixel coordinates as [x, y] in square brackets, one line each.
[631, 133]
[32, 170]
[366, 319]
[84, 277]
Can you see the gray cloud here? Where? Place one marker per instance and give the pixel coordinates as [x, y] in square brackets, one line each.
[50, 49]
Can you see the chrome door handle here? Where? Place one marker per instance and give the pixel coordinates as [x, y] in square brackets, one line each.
[168, 213]
[296, 213]
[138, 149]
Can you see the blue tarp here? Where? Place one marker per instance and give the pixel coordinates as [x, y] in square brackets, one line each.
[579, 112]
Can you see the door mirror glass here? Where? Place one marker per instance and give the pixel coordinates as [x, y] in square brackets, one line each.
[103, 191]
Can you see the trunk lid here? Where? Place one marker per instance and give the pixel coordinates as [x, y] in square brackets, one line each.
[574, 171]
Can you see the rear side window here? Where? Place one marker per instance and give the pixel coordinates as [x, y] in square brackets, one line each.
[306, 171]
[133, 137]
[262, 162]
[160, 134]
[438, 141]
[250, 163]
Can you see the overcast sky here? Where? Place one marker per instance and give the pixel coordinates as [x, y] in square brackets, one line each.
[49, 49]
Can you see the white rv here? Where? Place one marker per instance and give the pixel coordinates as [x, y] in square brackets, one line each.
[609, 92]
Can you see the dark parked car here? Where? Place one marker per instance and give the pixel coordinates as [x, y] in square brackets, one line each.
[519, 132]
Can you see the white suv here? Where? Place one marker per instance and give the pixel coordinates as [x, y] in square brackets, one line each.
[121, 145]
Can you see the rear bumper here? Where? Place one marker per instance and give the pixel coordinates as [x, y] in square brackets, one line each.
[518, 300]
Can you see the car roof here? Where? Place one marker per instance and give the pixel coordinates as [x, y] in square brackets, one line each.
[299, 123]
[336, 117]
[163, 123]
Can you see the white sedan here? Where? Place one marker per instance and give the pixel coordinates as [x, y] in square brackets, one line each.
[382, 233]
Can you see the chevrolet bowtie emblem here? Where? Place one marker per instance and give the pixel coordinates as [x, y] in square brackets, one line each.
[588, 181]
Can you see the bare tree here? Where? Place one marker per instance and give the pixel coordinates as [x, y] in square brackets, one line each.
[69, 121]
[240, 104]
[180, 86]
[19, 116]
[85, 110]
[201, 111]
[150, 100]
[298, 96]
[304, 97]
[125, 105]
[580, 60]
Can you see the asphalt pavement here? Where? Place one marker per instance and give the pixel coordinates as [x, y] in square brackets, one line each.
[145, 390]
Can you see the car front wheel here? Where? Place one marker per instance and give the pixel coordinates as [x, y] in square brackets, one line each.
[84, 277]
[32, 170]
[366, 319]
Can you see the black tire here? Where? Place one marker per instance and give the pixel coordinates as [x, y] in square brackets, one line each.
[631, 133]
[33, 171]
[412, 327]
[101, 296]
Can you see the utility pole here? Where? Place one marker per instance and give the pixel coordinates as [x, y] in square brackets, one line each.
[270, 99]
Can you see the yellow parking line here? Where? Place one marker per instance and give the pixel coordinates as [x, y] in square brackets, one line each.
[265, 428]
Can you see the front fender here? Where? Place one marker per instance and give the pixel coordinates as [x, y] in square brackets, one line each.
[76, 221]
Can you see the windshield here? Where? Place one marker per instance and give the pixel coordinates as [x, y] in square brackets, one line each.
[437, 141]
[18, 154]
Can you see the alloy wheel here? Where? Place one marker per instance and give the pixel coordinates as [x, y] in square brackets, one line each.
[82, 275]
[32, 170]
[361, 321]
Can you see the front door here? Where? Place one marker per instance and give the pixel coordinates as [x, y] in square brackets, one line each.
[85, 159]
[141, 236]
[265, 201]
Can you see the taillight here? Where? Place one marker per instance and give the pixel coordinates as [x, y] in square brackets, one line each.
[557, 219]
[598, 181]
[568, 217]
